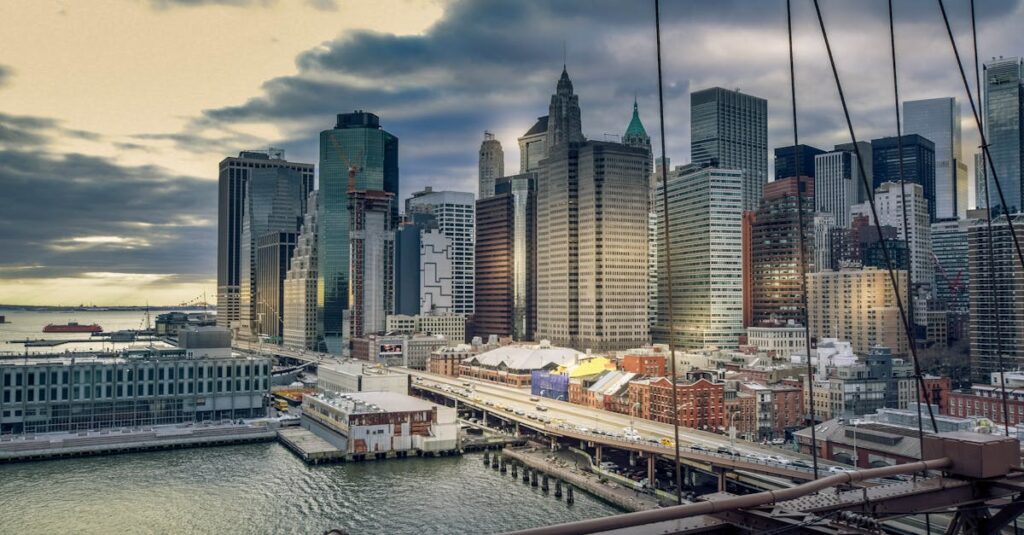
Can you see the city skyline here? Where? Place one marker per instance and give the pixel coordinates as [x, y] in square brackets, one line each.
[112, 175]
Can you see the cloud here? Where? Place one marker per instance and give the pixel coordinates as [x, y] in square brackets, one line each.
[167, 4]
[493, 65]
[5, 75]
[65, 215]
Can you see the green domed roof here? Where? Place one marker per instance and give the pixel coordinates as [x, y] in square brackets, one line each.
[635, 128]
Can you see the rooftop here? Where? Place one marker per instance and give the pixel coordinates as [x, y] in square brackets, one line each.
[374, 402]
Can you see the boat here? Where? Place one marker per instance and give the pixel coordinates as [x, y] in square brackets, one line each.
[72, 327]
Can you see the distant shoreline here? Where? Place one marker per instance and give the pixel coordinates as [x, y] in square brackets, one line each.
[125, 308]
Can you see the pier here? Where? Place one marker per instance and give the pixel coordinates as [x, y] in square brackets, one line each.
[308, 446]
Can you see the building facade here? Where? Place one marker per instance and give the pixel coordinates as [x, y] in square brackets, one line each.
[1004, 116]
[889, 203]
[451, 326]
[917, 165]
[359, 148]
[371, 254]
[273, 256]
[996, 298]
[532, 148]
[952, 276]
[777, 263]
[729, 129]
[938, 120]
[705, 219]
[300, 325]
[858, 305]
[455, 214]
[798, 160]
[836, 184]
[233, 183]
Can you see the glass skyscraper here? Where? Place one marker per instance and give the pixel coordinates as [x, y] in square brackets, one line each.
[1004, 110]
[918, 164]
[729, 130]
[795, 160]
[938, 120]
[356, 142]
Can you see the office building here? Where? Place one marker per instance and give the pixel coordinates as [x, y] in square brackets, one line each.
[860, 246]
[836, 185]
[451, 326]
[798, 160]
[996, 298]
[979, 181]
[729, 130]
[424, 262]
[705, 219]
[372, 252]
[865, 152]
[233, 182]
[952, 275]
[300, 286]
[1004, 114]
[359, 149]
[592, 224]
[198, 381]
[824, 224]
[938, 120]
[274, 203]
[506, 262]
[455, 215]
[777, 263]
[858, 305]
[273, 257]
[532, 146]
[918, 164]
[889, 204]
[491, 166]
[779, 341]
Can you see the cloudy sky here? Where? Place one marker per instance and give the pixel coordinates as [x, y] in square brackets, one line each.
[114, 113]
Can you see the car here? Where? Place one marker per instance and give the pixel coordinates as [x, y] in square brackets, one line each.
[778, 441]
[696, 447]
[727, 451]
[519, 412]
[531, 416]
[840, 469]
[534, 398]
[541, 408]
[489, 404]
[583, 430]
[800, 464]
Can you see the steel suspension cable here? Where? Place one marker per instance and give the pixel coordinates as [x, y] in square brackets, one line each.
[912, 262]
[668, 255]
[987, 158]
[802, 269]
[871, 201]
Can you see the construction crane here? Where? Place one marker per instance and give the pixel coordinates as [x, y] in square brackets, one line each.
[954, 283]
[352, 167]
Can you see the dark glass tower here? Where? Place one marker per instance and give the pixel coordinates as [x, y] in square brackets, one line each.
[789, 159]
[1004, 114]
[356, 143]
[918, 164]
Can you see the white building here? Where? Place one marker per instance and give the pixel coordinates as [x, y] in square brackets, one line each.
[705, 225]
[836, 177]
[451, 326]
[889, 203]
[300, 285]
[823, 225]
[358, 376]
[436, 280]
[780, 341]
[455, 213]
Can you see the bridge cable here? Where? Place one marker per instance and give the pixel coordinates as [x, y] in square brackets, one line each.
[802, 269]
[871, 201]
[988, 201]
[668, 254]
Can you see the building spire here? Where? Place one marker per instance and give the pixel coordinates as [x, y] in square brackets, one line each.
[636, 134]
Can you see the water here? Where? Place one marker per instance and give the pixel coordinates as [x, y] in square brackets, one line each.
[29, 324]
[263, 488]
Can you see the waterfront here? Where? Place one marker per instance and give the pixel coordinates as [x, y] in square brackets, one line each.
[29, 324]
[263, 488]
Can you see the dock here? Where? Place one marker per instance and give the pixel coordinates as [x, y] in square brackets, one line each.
[31, 447]
[308, 446]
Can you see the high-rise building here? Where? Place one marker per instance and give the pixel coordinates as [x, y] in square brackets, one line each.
[233, 182]
[300, 286]
[859, 246]
[858, 305]
[356, 146]
[795, 160]
[952, 278]
[273, 256]
[729, 130]
[864, 149]
[1004, 115]
[996, 298]
[592, 224]
[836, 185]
[492, 165]
[454, 213]
[273, 204]
[918, 164]
[705, 219]
[506, 262]
[532, 146]
[777, 292]
[372, 251]
[979, 180]
[938, 120]
[424, 257]
[824, 224]
[889, 203]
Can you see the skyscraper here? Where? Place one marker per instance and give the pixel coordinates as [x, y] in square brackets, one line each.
[938, 120]
[996, 298]
[424, 259]
[918, 164]
[233, 182]
[979, 180]
[491, 166]
[1004, 115]
[889, 203]
[592, 220]
[371, 246]
[300, 286]
[777, 292]
[952, 278]
[789, 159]
[836, 185]
[858, 305]
[359, 146]
[506, 262]
[274, 203]
[705, 218]
[454, 212]
[273, 256]
[532, 146]
[729, 130]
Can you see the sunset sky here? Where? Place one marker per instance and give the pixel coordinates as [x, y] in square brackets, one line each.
[115, 113]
